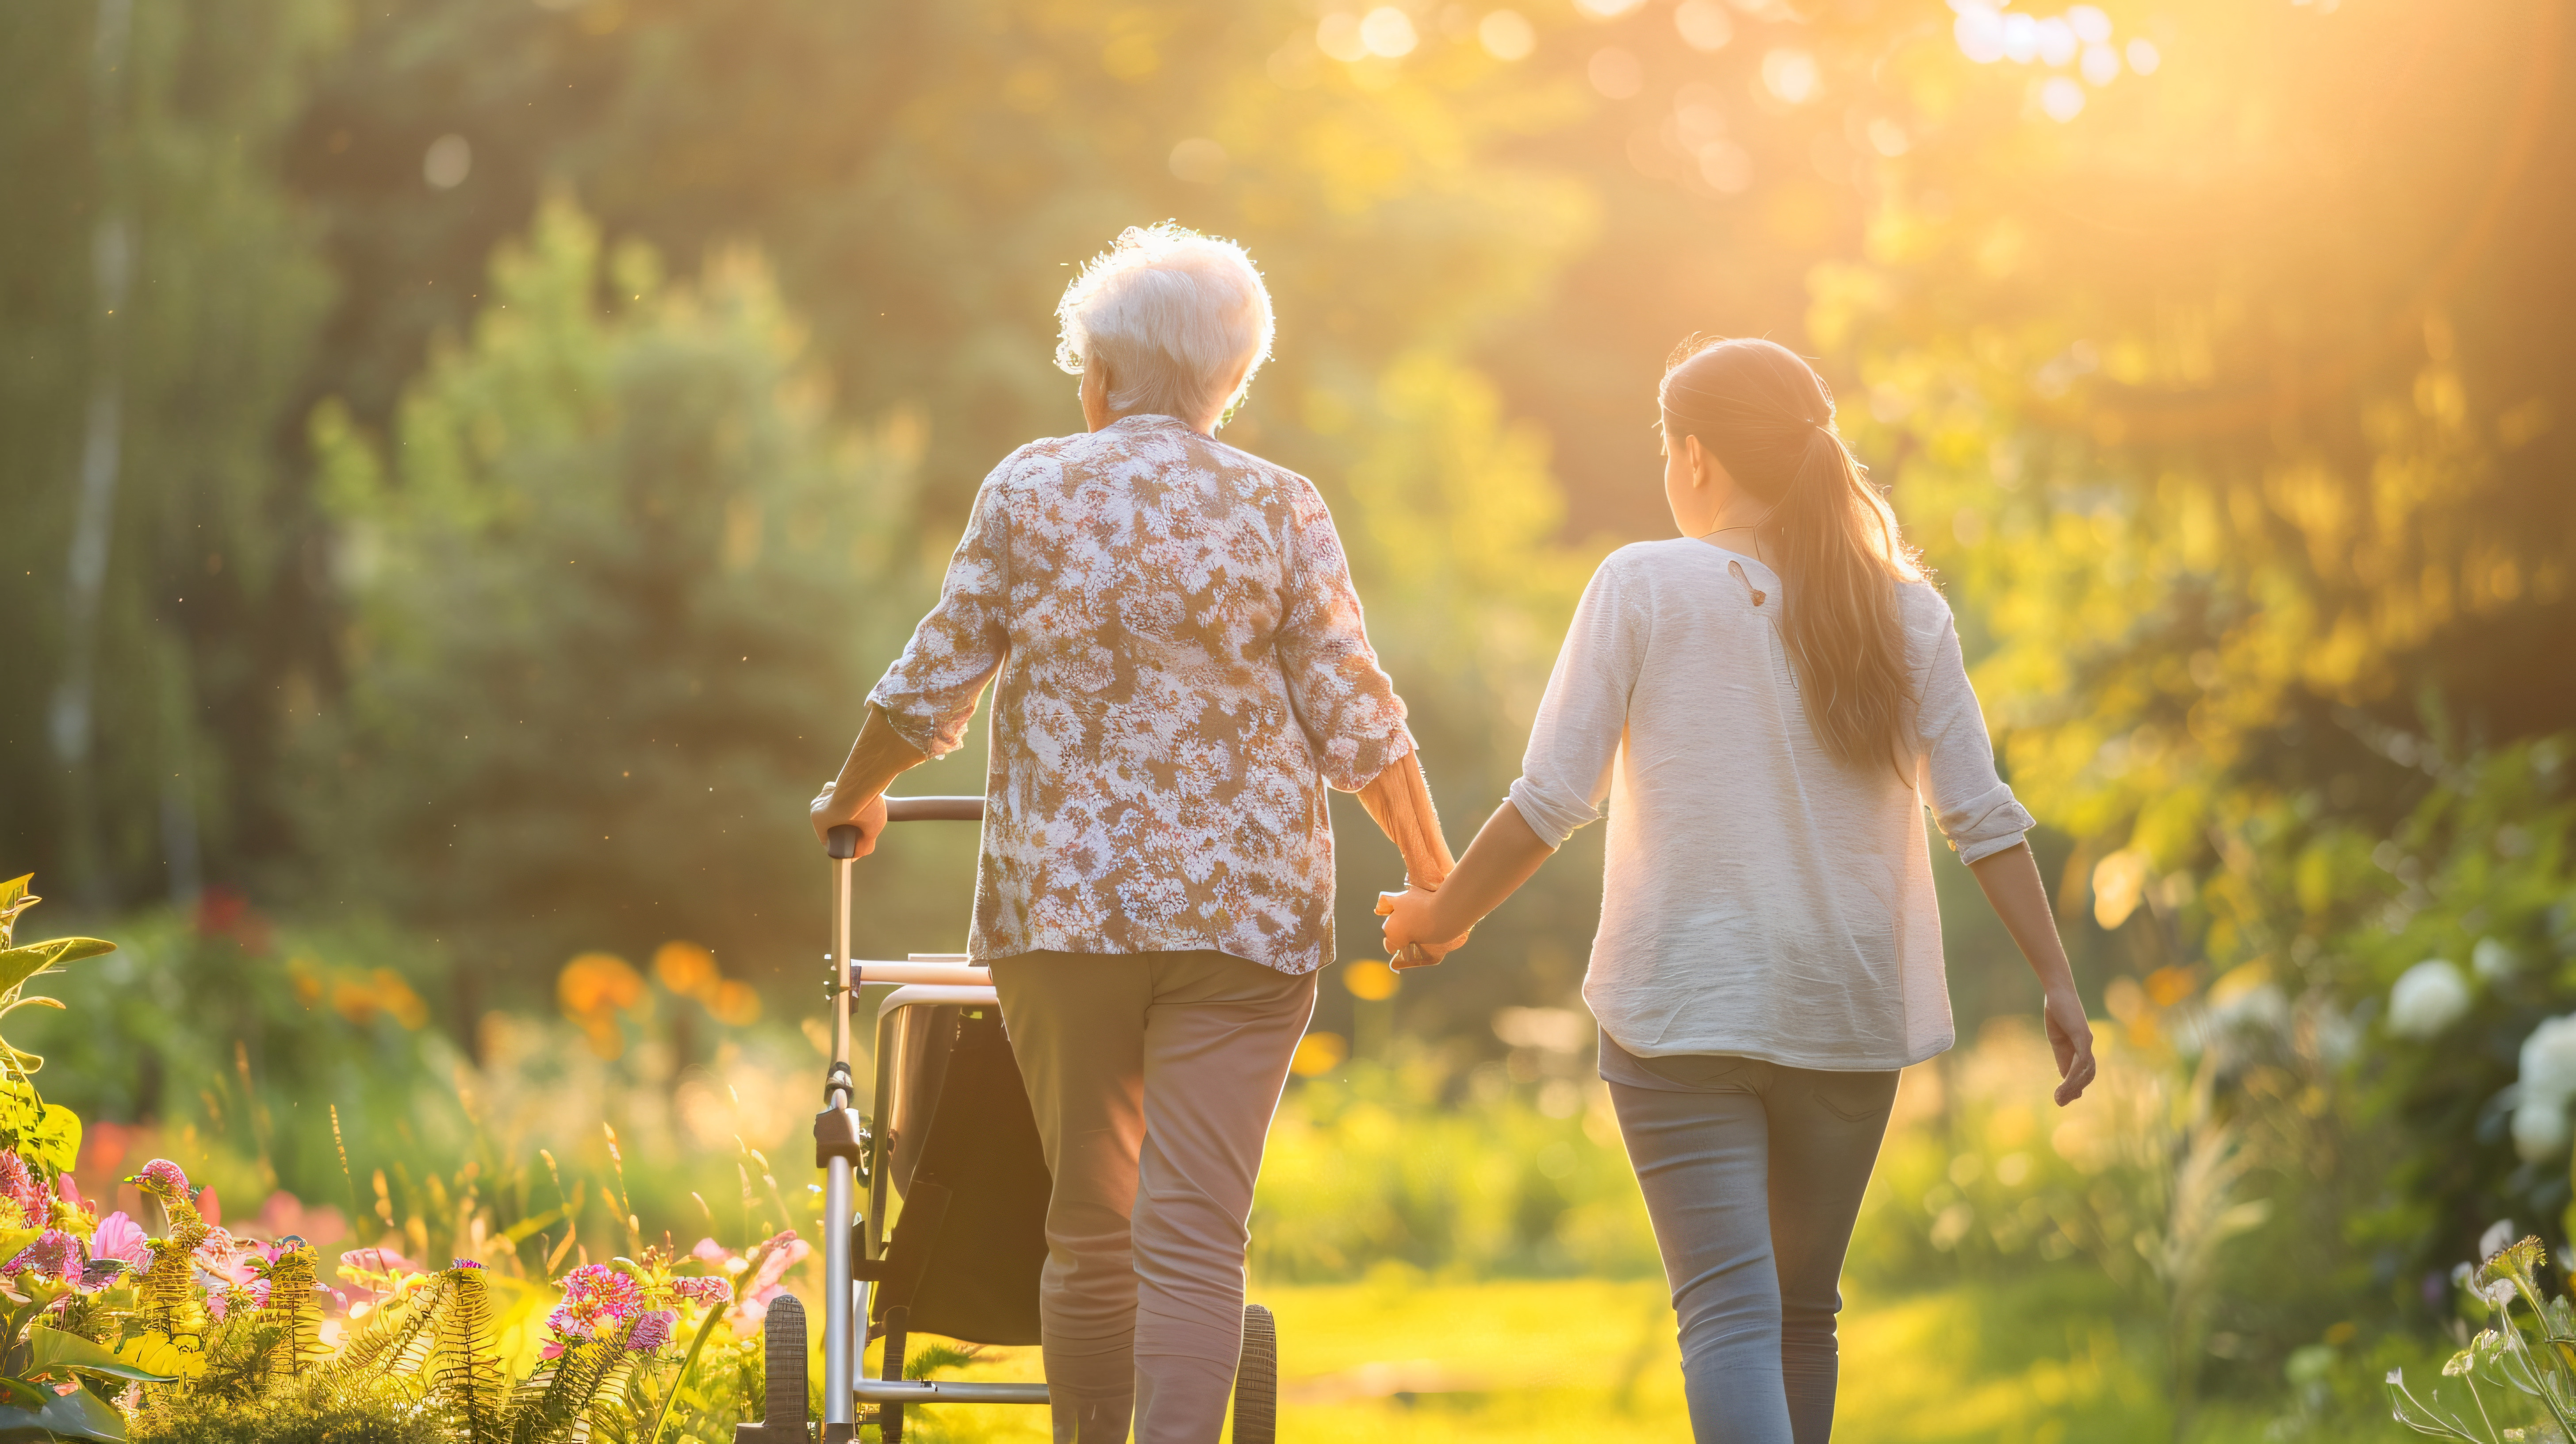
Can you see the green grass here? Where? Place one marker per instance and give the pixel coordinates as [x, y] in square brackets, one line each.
[1406, 1360]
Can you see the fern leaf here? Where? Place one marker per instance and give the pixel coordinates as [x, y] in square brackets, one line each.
[608, 1409]
[296, 1315]
[168, 1290]
[468, 1382]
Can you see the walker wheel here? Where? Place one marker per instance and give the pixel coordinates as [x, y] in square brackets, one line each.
[1256, 1379]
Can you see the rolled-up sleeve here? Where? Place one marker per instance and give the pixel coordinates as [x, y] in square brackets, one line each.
[1353, 720]
[929, 693]
[1956, 774]
[1566, 773]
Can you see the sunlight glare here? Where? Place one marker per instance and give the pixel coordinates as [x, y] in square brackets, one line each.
[2021, 39]
[1980, 33]
[1889, 138]
[2062, 98]
[1506, 35]
[1607, 9]
[2056, 41]
[2092, 26]
[1704, 24]
[1790, 75]
[1338, 35]
[2101, 64]
[2144, 57]
[1388, 31]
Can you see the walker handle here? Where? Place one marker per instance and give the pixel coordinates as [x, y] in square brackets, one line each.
[842, 842]
[934, 809]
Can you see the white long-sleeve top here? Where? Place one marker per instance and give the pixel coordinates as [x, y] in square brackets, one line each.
[1760, 898]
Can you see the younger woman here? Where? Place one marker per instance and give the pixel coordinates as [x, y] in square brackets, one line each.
[1767, 702]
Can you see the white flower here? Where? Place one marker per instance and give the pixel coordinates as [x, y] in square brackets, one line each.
[2539, 1129]
[2498, 1237]
[2428, 998]
[2549, 1061]
[2491, 960]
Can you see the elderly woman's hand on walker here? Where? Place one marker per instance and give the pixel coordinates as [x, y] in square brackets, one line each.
[856, 798]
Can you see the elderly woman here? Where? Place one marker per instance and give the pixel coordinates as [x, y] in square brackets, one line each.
[1181, 669]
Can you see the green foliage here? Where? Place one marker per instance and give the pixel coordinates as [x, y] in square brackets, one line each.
[633, 529]
[52, 1134]
[164, 313]
[467, 1385]
[2525, 1361]
[1413, 1165]
[293, 1314]
[171, 1308]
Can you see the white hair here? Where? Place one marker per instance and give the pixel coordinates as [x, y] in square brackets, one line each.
[1172, 313]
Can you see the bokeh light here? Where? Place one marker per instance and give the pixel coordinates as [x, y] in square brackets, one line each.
[448, 161]
[1506, 35]
[1704, 24]
[1791, 75]
[2061, 98]
[1389, 32]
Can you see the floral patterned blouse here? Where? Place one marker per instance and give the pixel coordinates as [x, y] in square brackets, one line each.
[1181, 664]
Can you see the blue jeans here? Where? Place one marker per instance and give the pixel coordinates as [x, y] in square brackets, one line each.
[1753, 1174]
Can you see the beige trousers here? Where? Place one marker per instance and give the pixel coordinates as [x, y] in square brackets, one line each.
[1153, 1077]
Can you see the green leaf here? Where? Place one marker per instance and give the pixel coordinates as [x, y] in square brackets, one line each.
[79, 1414]
[158, 1357]
[17, 965]
[54, 1140]
[526, 1228]
[15, 1241]
[55, 1348]
[23, 1393]
[14, 899]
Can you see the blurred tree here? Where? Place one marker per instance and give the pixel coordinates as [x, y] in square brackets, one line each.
[616, 583]
[2221, 364]
[160, 298]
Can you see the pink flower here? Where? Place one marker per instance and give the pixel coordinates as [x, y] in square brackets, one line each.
[119, 1237]
[233, 1260]
[769, 1263]
[54, 1255]
[162, 1179]
[652, 1331]
[374, 1261]
[708, 1290]
[596, 1298]
[20, 1185]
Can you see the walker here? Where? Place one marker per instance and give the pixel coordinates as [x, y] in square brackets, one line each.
[951, 1139]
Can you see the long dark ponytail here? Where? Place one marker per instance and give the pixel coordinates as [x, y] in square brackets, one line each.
[1768, 418]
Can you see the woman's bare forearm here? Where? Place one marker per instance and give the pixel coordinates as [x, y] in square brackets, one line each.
[2013, 887]
[877, 758]
[1505, 854]
[1398, 800]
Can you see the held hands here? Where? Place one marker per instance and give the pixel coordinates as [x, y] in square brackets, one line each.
[2071, 1038]
[869, 818]
[1409, 921]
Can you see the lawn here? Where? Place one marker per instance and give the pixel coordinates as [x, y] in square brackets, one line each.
[1403, 1360]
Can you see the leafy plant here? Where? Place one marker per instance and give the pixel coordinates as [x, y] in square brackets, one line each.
[2526, 1360]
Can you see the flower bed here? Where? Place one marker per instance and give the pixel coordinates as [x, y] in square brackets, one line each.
[111, 1332]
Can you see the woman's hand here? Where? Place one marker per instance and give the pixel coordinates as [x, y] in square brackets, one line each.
[2071, 1038]
[828, 813]
[1409, 925]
